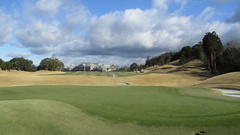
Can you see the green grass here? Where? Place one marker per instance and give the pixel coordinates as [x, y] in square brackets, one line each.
[108, 74]
[116, 110]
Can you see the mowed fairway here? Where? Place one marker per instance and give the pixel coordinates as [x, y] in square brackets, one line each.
[116, 110]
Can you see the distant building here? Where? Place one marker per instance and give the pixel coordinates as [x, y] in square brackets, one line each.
[54, 57]
[93, 67]
[70, 68]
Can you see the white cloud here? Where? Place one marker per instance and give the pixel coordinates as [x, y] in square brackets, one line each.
[226, 31]
[117, 37]
[164, 6]
[38, 34]
[52, 33]
[207, 14]
[19, 54]
[137, 32]
[44, 8]
[6, 27]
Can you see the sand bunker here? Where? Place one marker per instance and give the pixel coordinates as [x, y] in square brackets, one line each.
[229, 92]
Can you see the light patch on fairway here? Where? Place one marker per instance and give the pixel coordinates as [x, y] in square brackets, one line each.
[38, 117]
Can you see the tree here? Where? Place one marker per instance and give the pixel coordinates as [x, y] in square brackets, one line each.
[187, 50]
[212, 47]
[2, 64]
[168, 57]
[134, 67]
[9, 66]
[198, 52]
[230, 60]
[162, 60]
[148, 62]
[23, 64]
[113, 68]
[182, 58]
[51, 65]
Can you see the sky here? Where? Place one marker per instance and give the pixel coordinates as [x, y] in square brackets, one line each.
[117, 32]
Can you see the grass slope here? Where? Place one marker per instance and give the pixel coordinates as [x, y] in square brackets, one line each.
[193, 66]
[229, 80]
[187, 110]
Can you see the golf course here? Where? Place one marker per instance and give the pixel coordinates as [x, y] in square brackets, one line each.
[167, 100]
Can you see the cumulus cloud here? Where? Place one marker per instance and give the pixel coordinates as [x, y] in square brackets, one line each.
[6, 27]
[43, 36]
[75, 19]
[40, 35]
[137, 32]
[116, 37]
[44, 8]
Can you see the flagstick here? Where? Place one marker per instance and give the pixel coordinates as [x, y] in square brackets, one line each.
[114, 84]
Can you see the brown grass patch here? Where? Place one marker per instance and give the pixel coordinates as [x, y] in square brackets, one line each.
[190, 74]
[20, 78]
[229, 80]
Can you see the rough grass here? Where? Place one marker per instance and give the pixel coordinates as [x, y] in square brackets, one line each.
[192, 66]
[229, 80]
[19, 78]
[107, 74]
[116, 110]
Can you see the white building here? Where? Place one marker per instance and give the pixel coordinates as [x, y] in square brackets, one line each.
[94, 67]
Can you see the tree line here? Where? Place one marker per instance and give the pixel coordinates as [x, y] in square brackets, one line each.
[22, 64]
[210, 50]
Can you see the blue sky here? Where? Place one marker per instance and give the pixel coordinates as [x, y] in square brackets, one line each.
[117, 32]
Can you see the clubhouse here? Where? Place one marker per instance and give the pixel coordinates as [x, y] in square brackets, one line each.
[88, 67]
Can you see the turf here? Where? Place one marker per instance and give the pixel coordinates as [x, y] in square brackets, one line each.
[46, 117]
[162, 108]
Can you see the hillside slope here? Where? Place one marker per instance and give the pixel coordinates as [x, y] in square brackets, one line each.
[193, 66]
[193, 73]
[229, 80]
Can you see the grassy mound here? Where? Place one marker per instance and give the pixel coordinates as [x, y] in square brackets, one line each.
[229, 80]
[186, 109]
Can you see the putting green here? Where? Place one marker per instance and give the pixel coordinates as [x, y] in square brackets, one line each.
[149, 106]
[38, 117]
